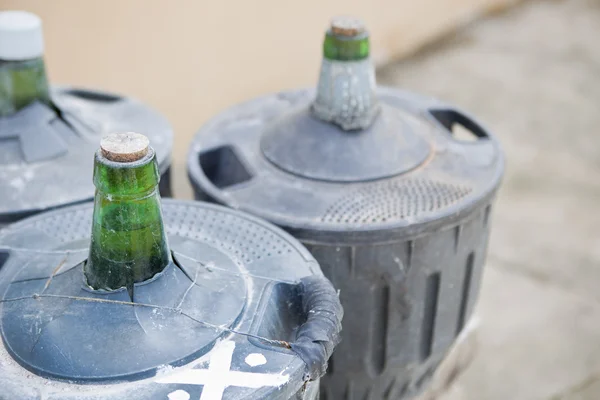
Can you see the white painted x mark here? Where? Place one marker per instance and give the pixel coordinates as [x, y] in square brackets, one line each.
[219, 375]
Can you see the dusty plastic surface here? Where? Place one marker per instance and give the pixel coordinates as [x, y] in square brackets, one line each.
[46, 157]
[397, 215]
[243, 312]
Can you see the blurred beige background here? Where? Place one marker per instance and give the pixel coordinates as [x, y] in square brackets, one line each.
[191, 59]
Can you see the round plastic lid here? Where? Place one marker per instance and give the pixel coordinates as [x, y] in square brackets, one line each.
[21, 36]
[197, 327]
[305, 146]
[407, 173]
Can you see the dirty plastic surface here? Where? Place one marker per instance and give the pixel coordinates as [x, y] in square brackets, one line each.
[243, 312]
[46, 158]
[398, 216]
[312, 187]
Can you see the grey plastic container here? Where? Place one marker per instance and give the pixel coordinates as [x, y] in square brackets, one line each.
[46, 153]
[398, 216]
[243, 312]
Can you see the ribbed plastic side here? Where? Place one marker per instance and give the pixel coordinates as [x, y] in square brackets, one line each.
[405, 302]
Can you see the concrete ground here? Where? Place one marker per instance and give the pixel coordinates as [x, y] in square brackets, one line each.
[532, 74]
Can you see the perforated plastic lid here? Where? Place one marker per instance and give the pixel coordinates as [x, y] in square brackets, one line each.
[21, 36]
[238, 289]
[407, 173]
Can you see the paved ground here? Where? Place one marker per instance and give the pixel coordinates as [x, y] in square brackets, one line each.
[533, 75]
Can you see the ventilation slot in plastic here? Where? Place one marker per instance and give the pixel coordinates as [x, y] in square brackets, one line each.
[466, 289]
[223, 167]
[403, 391]
[424, 378]
[432, 291]
[390, 392]
[3, 257]
[379, 326]
[330, 366]
[486, 215]
[459, 125]
[98, 97]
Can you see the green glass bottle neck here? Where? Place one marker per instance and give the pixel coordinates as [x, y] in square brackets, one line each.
[128, 244]
[21, 83]
[346, 91]
[344, 48]
[123, 180]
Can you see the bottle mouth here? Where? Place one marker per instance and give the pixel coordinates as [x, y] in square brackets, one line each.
[100, 156]
[346, 48]
[347, 26]
[124, 147]
[137, 178]
[346, 39]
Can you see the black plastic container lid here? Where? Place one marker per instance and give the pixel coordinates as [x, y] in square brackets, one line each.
[243, 312]
[271, 157]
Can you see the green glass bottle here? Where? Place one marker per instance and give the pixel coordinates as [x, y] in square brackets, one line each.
[128, 244]
[346, 92]
[22, 70]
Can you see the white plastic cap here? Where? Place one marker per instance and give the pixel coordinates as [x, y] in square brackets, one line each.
[21, 36]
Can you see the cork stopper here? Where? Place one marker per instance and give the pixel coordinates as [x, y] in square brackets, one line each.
[347, 26]
[124, 147]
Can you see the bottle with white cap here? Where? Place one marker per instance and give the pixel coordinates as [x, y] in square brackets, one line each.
[22, 70]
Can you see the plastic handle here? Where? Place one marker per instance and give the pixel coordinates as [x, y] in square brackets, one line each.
[317, 337]
[449, 117]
